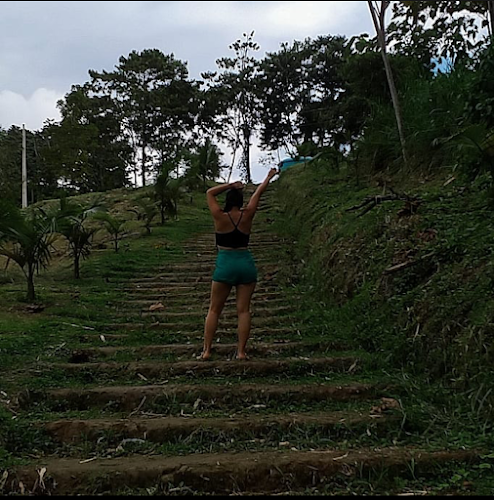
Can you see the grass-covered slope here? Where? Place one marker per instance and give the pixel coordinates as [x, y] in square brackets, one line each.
[100, 386]
[414, 286]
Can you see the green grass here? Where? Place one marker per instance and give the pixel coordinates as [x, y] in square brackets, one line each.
[434, 317]
[203, 441]
[333, 273]
[84, 302]
[72, 308]
[431, 322]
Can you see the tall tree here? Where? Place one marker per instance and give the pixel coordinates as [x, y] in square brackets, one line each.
[236, 99]
[156, 98]
[300, 91]
[68, 150]
[109, 154]
[378, 12]
[321, 119]
[284, 83]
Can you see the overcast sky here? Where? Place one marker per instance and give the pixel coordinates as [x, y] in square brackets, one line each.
[49, 46]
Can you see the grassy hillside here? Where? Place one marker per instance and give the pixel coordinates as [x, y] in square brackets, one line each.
[100, 384]
[414, 286]
[69, 307]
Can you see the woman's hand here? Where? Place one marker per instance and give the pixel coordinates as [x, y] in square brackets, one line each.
[273, 173]
[238, 185]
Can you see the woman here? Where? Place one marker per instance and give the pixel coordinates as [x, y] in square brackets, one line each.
[235, 266]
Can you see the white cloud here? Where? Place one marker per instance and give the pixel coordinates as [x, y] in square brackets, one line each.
[15, 109]
[64, 39]
[50, 46]
[270, 19]
[304, 19]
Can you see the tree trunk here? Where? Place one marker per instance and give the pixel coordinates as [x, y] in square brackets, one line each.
[116, 243]
[247, 136]
[143, 165]
[396, 105]
[77, 267]
[234, 157]
[31, 293]
[379, 19]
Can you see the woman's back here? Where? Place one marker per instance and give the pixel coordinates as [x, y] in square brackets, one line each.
[227, 222]
[233, 230]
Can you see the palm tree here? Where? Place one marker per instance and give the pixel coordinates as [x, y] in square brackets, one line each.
[167, 193]
[71, 223]
[146, 211]
[115, 228]
[27, 241]
[206, 163]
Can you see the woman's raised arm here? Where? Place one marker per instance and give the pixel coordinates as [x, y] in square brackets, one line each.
[256, 197]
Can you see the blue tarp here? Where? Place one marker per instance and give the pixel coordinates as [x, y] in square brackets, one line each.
[290, 162]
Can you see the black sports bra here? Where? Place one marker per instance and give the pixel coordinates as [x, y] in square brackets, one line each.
[235, 239]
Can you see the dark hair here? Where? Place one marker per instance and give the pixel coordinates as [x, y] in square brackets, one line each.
[234, 198]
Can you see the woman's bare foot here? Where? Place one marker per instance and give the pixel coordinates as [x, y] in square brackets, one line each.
[242, 357]
[205, 356]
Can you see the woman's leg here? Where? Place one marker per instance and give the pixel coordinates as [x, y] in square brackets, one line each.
[244, 297]
[219, 294]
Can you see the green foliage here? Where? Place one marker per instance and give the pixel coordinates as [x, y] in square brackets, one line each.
[42, 178]
[315, 95]
[19, 437]
[433, 317]
[433, 108]
[301, 88]
[474, 148]
[114, 226]
[234, 94]
[439, 31]
[72, 223]
[87, 148]
[155, 99]
[146, 211]
[167, 192]
[205, 164]
[480, 103]
[26, 240]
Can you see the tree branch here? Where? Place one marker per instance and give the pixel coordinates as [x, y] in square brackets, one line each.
[372, 202]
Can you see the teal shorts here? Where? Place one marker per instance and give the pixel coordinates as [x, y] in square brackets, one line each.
[235, 267]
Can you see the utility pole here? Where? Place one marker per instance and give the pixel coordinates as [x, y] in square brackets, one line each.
[490, 5]
[24, 168]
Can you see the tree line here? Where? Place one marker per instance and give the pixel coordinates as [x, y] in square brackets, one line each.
[430, 104]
